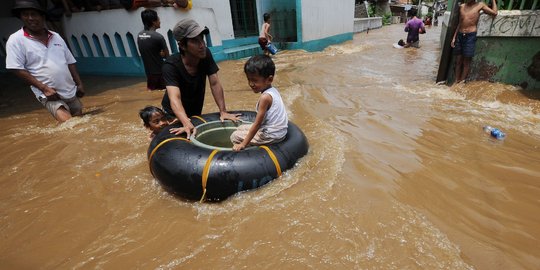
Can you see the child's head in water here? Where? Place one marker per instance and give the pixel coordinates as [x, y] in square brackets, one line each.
[154, 118]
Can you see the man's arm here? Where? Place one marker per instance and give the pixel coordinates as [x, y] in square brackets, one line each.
[49, 92]
[164, 49]
[453, 43]
[493, 11]
[77, 79]
[179, 111]
[265, 101]
[219, 97]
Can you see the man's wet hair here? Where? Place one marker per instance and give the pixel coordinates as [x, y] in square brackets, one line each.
[261, 65]
[412, 12]
[147, 112]
[148, 16]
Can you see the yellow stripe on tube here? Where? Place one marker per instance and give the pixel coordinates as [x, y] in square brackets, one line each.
[273, 157]
[200, 118]
[205, 173]
[158, 146]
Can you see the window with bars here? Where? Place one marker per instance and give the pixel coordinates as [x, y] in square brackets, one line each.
[244, 17]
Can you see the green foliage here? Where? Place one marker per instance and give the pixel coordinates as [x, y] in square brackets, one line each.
[371, 10]
[387, 18]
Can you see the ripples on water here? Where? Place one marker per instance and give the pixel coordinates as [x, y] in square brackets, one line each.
[399, 174]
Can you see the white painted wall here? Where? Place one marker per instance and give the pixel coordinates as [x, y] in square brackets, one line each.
[222, 14]
[121, 21]
[323, 18]
[216, 16]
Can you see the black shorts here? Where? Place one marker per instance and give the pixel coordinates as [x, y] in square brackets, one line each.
[155, 82]
[464, 44]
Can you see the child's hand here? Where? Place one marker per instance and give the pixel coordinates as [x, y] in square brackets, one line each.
[238, 147]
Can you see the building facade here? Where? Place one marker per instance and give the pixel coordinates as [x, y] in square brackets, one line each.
[104, 42]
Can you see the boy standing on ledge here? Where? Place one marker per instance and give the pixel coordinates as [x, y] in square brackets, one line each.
[464, 39]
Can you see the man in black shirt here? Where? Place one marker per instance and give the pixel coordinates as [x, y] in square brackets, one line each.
[153, 49]
[185, 76]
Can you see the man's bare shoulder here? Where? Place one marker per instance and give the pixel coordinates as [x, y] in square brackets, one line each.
[475, 7]
[481, 5]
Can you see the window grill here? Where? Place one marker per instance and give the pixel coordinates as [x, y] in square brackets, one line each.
[244, 17]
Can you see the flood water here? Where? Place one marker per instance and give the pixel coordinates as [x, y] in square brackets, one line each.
[399, 174]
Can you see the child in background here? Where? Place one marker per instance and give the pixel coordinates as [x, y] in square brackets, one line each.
[265, 37]
[271, 122]
[155, 120]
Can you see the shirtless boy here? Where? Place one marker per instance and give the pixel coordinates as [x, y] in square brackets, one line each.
[464, 39]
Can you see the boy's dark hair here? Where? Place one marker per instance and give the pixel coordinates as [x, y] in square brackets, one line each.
[412, 12]
[266, 17]
[148, 16]
[147, 112]
[261, 65]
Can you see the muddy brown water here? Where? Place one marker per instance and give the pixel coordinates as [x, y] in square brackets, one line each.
[399, 174]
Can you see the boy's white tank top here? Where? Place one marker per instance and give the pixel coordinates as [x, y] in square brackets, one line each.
[276, 120]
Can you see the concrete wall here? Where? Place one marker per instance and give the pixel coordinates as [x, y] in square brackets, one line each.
[121, 21]
[364, 24]
[510, 23]
[222, 15]
[506, 48]
[108, 40]
[322, 18]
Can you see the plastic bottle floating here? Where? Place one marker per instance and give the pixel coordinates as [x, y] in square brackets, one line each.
[495, 132]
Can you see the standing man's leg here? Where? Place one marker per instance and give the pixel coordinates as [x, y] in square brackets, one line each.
[458, 52]
[459, 64]
[62, 114]
[63, 110]
[466, 67]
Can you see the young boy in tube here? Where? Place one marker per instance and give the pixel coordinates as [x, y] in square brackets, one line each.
[270, 125]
